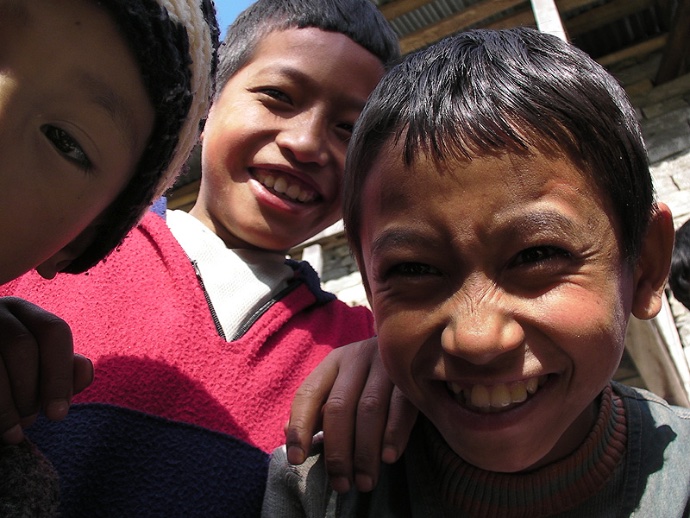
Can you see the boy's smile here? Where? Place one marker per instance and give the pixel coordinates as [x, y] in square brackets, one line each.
[274, 145]
[500, 297]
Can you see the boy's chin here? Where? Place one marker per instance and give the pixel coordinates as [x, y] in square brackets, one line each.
[501, 456]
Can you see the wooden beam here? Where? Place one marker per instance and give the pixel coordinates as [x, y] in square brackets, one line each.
[674, 61]
[522, 18]
[473, 15]
[565, 6]
[641, 49]
[548, 19]
[183, 197]
[653, 360]
[601, 16]
[397, 8]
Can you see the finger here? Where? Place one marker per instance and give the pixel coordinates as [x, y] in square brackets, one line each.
[83, 373]
[10, 429]
[305, 412]
[372, 414]
[339, 416]
[55, 357]
[19, 356]
[402, 416]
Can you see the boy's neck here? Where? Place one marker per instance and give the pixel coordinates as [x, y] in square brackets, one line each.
[231, 241]
[594, 460]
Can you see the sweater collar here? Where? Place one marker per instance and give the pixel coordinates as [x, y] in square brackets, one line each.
[549, 490]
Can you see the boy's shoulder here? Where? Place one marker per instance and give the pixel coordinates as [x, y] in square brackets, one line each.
[640, 399]
[658, 446]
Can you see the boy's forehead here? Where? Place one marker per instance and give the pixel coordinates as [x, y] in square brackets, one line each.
[318, 59]
[390, 181]
[304, 39]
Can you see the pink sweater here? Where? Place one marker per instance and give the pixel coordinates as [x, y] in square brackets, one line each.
[143, 319]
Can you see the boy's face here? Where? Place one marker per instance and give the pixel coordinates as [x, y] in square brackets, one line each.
[500, 297]
[74, 120]
[274, 144]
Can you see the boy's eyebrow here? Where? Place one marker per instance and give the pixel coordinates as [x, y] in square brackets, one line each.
[394, 238]
[533, 222]
[295, 74]
[104, 96]
[547, 219]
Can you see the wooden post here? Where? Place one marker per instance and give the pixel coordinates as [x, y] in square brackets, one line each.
[548, 19]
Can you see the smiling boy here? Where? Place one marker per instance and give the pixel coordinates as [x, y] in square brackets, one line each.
[199, 330]
[285, 155]
[499, 203]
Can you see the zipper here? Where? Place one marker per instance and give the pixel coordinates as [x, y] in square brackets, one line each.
[214, 315]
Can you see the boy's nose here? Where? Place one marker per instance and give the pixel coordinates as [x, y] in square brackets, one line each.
[479, 329]
[306, 139]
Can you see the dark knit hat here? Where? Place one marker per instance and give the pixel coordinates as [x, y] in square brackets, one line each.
[175, 43]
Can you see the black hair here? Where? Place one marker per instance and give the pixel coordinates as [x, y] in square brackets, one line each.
[487, 92]
[359, 20]
[679, 276]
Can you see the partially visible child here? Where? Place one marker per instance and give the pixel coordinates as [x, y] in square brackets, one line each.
[679, 277]
[100, 106]
[199, 330]
[499, 203]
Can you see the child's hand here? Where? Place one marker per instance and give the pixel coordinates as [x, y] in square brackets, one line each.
[38, 369]
[365, 418]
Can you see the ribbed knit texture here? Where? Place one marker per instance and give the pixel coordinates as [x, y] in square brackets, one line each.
[554, 489]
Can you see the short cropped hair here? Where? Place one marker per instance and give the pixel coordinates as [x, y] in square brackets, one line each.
[487, 92]
[359, 20]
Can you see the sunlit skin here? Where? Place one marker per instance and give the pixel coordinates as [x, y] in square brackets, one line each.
[288, 115]
[74, 120]
[497, 271]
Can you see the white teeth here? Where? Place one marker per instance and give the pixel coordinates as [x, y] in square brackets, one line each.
[500, 396]
[454, 387]
[518, 392]
[280, 186]
[293, 192]
[290, 190]
[480, 397]
[494, 397]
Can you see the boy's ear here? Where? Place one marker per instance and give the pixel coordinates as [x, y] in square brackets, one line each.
[62, 259]
[652, 267]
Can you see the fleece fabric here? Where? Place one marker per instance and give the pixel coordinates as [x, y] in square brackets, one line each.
[178, 421]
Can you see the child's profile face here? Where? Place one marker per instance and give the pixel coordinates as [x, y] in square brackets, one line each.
[500, 299]
[74, 121]
[274, 144]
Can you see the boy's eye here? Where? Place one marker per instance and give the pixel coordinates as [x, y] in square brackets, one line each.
[344, 132]
[413, 270]
[539, 254]
[278, 95]
[346, 127]
[67, 146]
